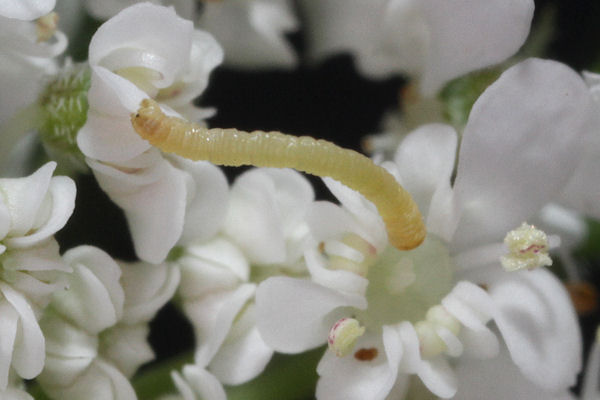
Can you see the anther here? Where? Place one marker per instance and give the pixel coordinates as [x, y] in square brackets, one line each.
[528, 249]
[343, 336]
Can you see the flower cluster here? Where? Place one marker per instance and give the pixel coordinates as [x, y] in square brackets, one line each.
[494, 157]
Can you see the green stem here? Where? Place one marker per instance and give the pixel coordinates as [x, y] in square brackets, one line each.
[155, 380]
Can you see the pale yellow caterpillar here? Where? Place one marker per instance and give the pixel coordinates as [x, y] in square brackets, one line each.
[231, 147]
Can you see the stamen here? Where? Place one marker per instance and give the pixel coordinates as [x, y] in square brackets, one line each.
[343, 336]
[352, 253]
[431, 344]
[45, 26]
[528, 249]
[402, 218]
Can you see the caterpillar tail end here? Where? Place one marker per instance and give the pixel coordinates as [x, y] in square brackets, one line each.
[406, 231]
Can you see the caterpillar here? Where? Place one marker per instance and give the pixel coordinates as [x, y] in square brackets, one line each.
[231, 147]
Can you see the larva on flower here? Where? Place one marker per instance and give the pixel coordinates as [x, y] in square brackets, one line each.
[404, 223]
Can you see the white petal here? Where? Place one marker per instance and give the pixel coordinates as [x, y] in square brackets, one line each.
[436, 374]
[258, 38]
[206, 54]
[536, 318]
[108, 134]
[520, 146]
[205, 385]
[217, 264]
[158, 38]
[8, 333]
[362, 210]
[26, 10]
[329, 221]
[295, 315]
[147, 288]
[265, 208]
[438, 377]
[126, 346]
[241, 358]
[465, 35]
[62, 198]
[28, 353]
[154, 201]
[101, 381]
[95, 298]
[209, 201]
[425, 161]
[473, 308]
[69, 351]
[499, 379]
[348, 378]
[212, 317]
[24, 197]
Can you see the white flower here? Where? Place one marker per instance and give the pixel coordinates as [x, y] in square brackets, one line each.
[423, 307]
[144, 51]
[432, 40]
[264, 233]
[96, 331]
[32, 209]
[252, 33]
[28, 52]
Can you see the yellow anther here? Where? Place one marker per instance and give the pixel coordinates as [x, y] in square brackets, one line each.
[45, 26]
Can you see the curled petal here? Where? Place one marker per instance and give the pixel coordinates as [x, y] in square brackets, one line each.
[126, 346]
[217, 264]
[107, 134]
[95, 297]
[241, 359]
[213, 316]
[24, 198]
[144, 35]
[198, 383]
[147, 288]
[154, 200]
[536, 318]
[62, 202]
[473, 308]
[28, 353]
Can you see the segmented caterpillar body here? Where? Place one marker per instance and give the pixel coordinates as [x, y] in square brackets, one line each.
[319, 157]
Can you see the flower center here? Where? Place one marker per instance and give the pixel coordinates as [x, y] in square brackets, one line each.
[405, 285]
